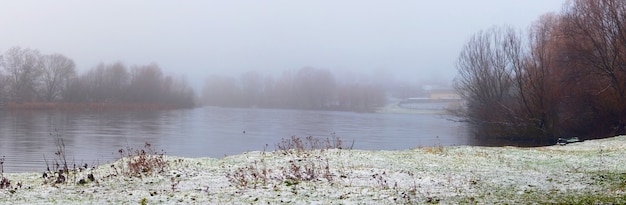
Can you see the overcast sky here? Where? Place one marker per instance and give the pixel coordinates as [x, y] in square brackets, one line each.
[413, 39]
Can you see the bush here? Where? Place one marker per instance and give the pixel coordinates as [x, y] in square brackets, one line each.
[137, 162]
[306, 163]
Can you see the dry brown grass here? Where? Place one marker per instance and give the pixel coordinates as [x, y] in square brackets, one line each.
[433, 150]
[310, 143]
[437, 149]
[306, 163]
[138, 162]
[134, 163]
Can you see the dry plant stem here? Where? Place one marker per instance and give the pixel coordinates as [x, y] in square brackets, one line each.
[310, 143]
[306, 163]
[136, 162]
[46, 161]
[4, 182]
[60, 162]
[2, 167]
[61, 171]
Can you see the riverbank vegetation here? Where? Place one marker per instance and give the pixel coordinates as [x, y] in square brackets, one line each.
[32, 80]
[325, 171]
[565, 76]
[307, 88]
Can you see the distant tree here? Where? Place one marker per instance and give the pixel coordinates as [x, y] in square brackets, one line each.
[252, 88]
[24, 68]
[94, 81]
[177, 92]
[285, 90]
[146, 83]
[222, 91]
[306, 88]
[57, 69]
[269, 98]
[77, 91]
[116, 81]
[360, 97]
[4, 85]
[315, 88]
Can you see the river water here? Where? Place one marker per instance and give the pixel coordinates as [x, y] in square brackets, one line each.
[26, 137]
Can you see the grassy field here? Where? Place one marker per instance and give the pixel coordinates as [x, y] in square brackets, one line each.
[590, 172]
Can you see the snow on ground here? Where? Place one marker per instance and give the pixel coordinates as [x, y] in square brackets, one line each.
[585, 172]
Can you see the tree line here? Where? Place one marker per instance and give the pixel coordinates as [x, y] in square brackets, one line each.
[29, 76]
[565, 76]
[306, 88]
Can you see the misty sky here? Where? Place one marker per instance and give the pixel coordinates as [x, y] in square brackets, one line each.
[414, 40]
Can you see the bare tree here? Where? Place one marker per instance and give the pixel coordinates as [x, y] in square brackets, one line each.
[360, 97]
[306, 88]
[486, 76]
[315, 88]
[4, 85]
[95, 83]
[177, 92]
[146, 83]
[77, 91]
[594, 33]
[221, 91]
[57, 69]
[538, 80]
[24, 67]
[116, 81]
[270, 95]
[285, 90]
[251, 87]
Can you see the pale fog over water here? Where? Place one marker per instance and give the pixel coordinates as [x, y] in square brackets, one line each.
[95, 137]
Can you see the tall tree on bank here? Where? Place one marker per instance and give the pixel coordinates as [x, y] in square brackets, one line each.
[594, 35]
[569, 79]
[508, 84]
[24, 67]
[486, 79]
[57, 70]
[538, 81]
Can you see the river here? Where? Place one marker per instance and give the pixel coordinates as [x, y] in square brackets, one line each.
[95, 137]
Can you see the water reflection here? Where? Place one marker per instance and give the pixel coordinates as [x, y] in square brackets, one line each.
[95, 137]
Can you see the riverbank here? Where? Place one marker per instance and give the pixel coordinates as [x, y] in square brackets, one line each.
[393, 108]
[86, 106]
[585, 172]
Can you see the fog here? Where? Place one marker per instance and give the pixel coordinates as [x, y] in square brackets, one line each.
[409, 40]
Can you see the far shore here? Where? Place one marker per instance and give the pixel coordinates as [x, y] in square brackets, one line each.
[64, 106]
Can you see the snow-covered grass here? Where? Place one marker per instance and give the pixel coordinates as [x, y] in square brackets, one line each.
[579, 173]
